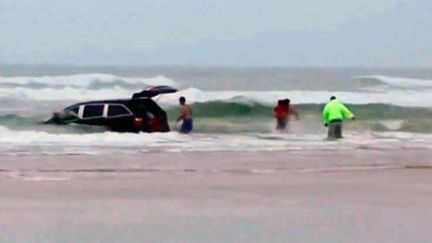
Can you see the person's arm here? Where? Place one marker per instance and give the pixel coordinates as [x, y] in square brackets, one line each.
[347, 114]
[182, 114]
[274, 112]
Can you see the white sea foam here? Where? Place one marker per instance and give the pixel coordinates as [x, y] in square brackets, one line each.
[394, 97]
[108, 142]
[67, 93]
[84, 80]
[75, 87]
[400, 82]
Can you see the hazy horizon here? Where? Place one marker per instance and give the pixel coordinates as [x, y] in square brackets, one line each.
[276, 33]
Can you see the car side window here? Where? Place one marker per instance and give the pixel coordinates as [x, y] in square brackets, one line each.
[93, 111]
[117, 110]
[74, 110]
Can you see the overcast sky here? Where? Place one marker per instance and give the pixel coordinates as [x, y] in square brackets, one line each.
[118, 31]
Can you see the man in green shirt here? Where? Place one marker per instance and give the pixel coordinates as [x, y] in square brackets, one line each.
[333, 115]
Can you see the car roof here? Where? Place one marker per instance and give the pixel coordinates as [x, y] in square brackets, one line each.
[143, 96]
[118, 101]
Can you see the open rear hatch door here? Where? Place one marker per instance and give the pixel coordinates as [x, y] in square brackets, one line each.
[153, 91]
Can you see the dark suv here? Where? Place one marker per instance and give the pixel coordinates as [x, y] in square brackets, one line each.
[140, 113]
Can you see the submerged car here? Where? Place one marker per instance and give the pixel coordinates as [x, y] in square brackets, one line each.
[138, 114]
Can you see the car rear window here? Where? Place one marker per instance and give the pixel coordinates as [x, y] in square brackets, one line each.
[117, 110]
[93, 111]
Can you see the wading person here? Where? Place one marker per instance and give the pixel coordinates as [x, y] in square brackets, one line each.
[185, 116]
[282, 112]
[333, 115]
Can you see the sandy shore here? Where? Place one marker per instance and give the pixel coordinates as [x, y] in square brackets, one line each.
[360, 196]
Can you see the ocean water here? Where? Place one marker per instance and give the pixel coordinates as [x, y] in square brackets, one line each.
[232, 108]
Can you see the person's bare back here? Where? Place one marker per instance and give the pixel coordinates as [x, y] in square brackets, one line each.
[185, 116]
[185, 112]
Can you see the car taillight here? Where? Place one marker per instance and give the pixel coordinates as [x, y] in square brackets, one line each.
[138, 121]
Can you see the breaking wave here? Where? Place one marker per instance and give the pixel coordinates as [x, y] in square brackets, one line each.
[400, 98]
[89, 81]
[398, 82]
[367, 111]
[76, 87]
[415, 92]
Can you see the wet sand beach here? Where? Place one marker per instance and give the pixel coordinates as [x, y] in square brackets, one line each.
[349, 196]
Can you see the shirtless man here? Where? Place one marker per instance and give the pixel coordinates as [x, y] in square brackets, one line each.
[185, 116]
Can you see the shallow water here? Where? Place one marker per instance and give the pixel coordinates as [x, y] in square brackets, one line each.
[232, 108]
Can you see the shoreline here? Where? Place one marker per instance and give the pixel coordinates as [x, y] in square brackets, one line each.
[160, 160]
[322, 196]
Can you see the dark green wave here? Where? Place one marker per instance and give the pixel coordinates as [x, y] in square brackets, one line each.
[368, 111]
[235, 117]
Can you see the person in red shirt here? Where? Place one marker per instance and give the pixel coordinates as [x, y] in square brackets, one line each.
[282, 112]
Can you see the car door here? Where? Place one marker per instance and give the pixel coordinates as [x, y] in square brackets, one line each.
[92, 114]
[119, 117]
